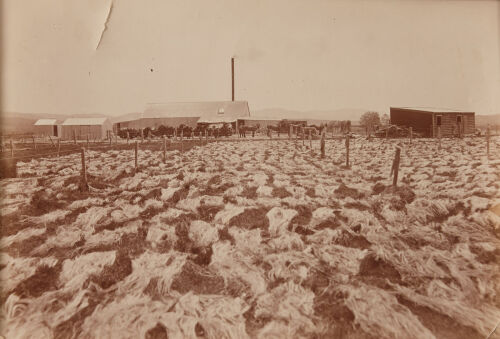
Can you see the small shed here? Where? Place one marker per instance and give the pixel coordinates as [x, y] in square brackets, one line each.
[427, 121]
[47, 127]
[81, 128]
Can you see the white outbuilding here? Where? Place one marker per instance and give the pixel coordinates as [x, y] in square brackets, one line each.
[81, 128]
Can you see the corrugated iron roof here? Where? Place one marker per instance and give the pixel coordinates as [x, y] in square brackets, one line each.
[206, 110]
[434, 109]
[46, 122]
[84, 121]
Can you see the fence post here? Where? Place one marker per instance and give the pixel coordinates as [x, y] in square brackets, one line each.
[411, 134]
[34, 142]
[395, 166]
[128, 136]
[310, 140]
[296, 135]
[74, 137]
[488, 140]
[84, 185]
[347, 150]
[11, 148]
[136, 149]
[290, 132]
[52, 142]
[87, 140]
[439, 137]
[142, 135]
[323, 135]
[303, 136]
[164, 149]
[182, 137]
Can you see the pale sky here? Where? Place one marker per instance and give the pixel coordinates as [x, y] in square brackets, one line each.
[301, 55]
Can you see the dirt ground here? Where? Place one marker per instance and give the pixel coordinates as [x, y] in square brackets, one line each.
[255, 239]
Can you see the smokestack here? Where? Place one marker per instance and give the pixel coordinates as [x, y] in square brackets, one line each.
[232, 79]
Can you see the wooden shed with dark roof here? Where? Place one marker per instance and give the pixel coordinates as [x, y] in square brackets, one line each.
[426, 120]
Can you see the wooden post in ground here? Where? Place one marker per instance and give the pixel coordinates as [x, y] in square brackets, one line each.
[11, 149]
[87, 140]
[182, 137]
[310, 140]
[488, 140]
[164, 149]
[347, 150]
[411, 134]
[58, 147]
[52, 142]
[323, 135]
[142, 135]
[128, 136]
[296, 136]
[136, 148]
[74, 137]
[303, 136]
[84, 185]
[206, 136]
[395, 166]
[439, 137]
[290, 132]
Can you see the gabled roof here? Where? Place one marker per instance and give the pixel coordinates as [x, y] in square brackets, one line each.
[46, 122]
[433, 109]
[210, 110]
[84, 121]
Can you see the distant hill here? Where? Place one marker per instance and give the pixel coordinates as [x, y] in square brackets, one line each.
[17, 123]
[482, 121]
[316, 115]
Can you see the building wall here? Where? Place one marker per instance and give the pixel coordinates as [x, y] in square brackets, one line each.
[157, 122]
[449, 126]
[261, 123]
[426, 122]
[44, 130]
[81, 132]
[420, 122]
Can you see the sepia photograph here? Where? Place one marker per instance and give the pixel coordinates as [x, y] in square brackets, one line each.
[250, 169]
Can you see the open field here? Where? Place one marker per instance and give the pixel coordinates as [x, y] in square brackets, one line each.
[255, 239]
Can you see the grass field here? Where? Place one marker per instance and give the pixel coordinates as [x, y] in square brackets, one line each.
[255, 239]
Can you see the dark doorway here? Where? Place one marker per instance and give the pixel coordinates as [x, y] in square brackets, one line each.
[55, 131]
[438, 120]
